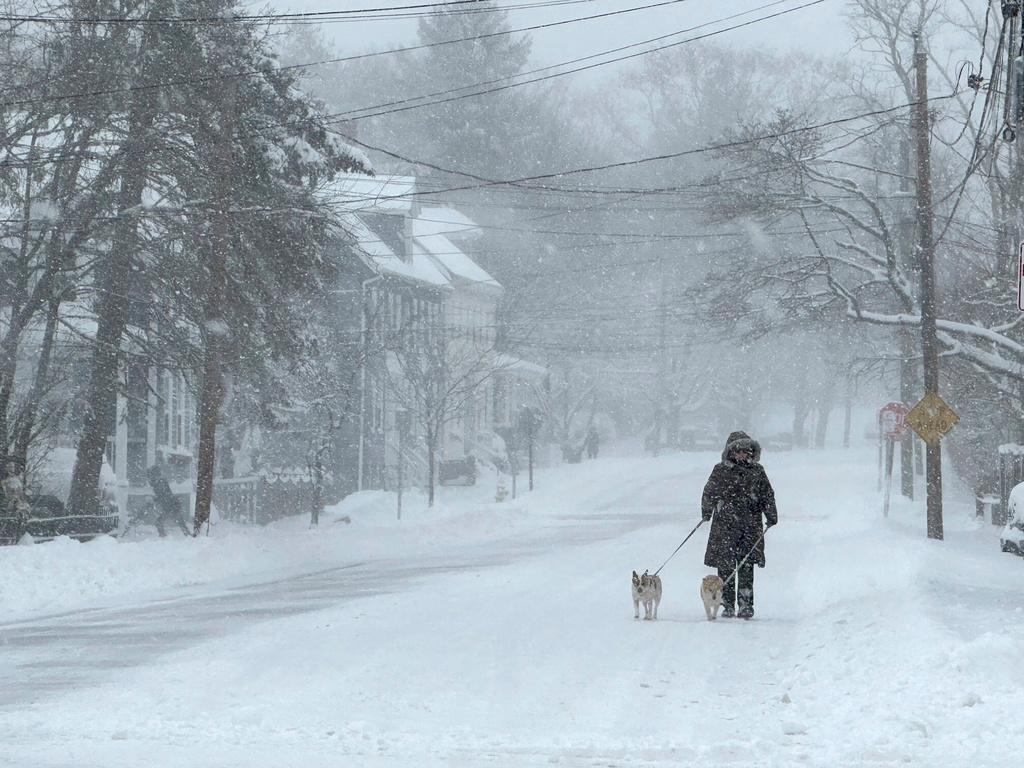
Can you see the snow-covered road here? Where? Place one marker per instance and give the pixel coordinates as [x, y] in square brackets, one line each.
[79, 648]
[512, 643]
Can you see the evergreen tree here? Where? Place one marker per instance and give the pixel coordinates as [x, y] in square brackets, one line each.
[480, 134]
[261, 238]
[232, 151]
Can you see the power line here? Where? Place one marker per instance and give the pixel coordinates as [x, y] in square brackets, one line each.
[322, 62]
[671, 155]
[628, 238]
[353, 114]
[632, 193]
[337, 117]
[637, 161]
[556, 208]
[487, 182]
[656, 236]
[463, 11]
[321, 120]
[457, 6]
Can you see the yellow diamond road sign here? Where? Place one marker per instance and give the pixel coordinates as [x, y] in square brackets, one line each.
[931, 418]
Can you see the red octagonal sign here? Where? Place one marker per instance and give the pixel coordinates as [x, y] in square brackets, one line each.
[892, 420]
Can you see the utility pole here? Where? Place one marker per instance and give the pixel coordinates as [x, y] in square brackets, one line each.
[663, 388]
[908, 351]
[1013, 117]
[1012, 103]
[926, 260]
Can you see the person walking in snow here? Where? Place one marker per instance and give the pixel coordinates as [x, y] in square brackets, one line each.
[166, 502]
[17, 504]
[592, 443]
[738, 499]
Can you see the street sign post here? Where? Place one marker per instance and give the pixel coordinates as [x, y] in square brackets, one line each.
[529, 424]
[892, 420]
[892, 426]
[403, 422]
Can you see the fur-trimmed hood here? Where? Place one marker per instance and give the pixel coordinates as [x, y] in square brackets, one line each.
[741, 440]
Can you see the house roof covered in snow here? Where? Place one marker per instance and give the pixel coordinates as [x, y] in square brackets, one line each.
[357, 192]
[430, 230]
[456, 265]
[431, 257]
[445, 221]
[383, 260]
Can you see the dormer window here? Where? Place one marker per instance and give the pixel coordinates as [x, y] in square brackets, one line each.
[390, 228]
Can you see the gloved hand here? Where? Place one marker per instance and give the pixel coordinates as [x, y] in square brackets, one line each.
[705, 516]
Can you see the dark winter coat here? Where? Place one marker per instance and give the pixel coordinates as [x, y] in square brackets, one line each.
[738, 499]
[165, 501]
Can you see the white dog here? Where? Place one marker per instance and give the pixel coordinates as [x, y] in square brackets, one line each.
[646, 590]
[711, 593]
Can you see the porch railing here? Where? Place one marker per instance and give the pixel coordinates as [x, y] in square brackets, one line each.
[261, 499]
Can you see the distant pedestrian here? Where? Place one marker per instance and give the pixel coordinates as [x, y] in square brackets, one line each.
[17, 504]
[14, 490]
[592, 443]
[738, 498]
[166, 503]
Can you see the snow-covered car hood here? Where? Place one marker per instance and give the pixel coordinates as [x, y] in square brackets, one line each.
[1012, 532]
[1015, 508]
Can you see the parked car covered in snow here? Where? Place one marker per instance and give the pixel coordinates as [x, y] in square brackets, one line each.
[1012, 537]
[46, 519]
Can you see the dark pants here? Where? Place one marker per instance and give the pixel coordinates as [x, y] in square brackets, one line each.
[745, 577]
[170, 516]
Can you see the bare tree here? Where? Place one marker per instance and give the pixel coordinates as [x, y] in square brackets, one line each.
[435, 373]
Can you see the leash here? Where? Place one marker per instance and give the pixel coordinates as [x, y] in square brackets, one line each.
[698, 525]
[747, 557]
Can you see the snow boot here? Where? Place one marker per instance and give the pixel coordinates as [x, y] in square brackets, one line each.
[728, 612]
[746, 600]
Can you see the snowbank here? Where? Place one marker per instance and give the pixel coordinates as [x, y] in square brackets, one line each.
[66, 574]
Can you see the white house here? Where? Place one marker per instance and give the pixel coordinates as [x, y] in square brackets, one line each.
[407, 243]
[412, 272]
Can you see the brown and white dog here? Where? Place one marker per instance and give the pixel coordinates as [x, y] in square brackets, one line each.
[711, 593]
[646, 590]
